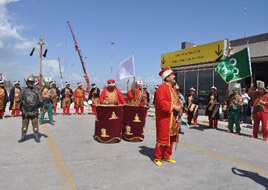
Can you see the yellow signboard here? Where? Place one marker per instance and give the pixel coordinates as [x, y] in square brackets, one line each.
[215, 51]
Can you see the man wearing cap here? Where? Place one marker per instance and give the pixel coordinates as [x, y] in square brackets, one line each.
[3, 99]
[31, 100]
[79, 98]
[212, 110]
[111, 95]
[192, 106]
[168, 111]
[66, 98]
[235, 104]
[55, 97]
[94, 96]
[260, 109]
[14, 99]
[47, 100]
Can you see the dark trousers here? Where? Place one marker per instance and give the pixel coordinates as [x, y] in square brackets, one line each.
[244, 113]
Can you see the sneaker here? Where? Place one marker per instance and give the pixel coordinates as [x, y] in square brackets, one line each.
[158, 162]
[237, 133]
[41, 123]
[264, 139]
[169, 160]
[52, 123]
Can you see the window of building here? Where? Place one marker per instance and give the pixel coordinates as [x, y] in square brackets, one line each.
[205, 83]
[191, 81]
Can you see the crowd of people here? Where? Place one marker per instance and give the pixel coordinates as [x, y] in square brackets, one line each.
[34, 101]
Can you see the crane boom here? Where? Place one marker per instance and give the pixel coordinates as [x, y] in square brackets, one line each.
[80, 56]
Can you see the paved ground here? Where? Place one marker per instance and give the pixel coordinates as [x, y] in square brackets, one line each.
[69, 158]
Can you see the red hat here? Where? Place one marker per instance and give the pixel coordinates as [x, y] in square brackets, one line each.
[165, 72]
[79, 84]
[111, 82]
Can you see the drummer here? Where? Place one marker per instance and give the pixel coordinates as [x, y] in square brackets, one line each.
[212, 110]
[135, 96]
[192, 106]
[111, 95]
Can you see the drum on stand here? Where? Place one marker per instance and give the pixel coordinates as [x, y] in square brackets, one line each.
[109, 123]
[134, 122]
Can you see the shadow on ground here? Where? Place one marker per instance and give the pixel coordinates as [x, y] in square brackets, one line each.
[251, 175]
[147, 151]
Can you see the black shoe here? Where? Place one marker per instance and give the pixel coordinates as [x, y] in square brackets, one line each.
[23, 138]
[36, 137]
[181, 132]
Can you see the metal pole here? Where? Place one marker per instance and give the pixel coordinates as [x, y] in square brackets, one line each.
[245, 20]
[112, 56]
[197, 81]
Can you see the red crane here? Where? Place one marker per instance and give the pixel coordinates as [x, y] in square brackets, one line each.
[80, 56]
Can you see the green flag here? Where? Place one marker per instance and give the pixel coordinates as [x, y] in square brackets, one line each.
[235, 67]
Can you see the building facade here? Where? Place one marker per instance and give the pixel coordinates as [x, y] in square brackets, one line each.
[202, 76]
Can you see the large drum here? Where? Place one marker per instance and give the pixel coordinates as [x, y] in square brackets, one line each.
[109, 123]
[192, 109]
[212, 110]
[134, 122]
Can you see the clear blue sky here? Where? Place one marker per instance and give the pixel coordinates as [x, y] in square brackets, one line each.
[146, 28]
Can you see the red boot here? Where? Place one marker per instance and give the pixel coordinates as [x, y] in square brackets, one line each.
[13, 112]
[18, 112]
[54, 111]
[64, 110]
[195, 121]
[68, 110]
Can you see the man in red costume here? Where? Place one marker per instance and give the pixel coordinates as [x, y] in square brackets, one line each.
[55, 97]
[79, 98]
[135, 96]
[66, 98]
[260, 109]
[167, 110]
[212, 110]
[111, 95]
[14, 99]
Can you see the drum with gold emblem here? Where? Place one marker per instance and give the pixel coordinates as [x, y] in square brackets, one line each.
[108, 123]
[134, 122]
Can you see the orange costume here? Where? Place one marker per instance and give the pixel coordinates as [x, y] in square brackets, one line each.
[54, 97]
[14, 99]
[166, 119]
[113, 96]
[137, 97]
[79, 98]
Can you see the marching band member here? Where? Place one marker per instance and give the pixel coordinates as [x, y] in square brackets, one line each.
[55, 97]
[79, 98]
[135, 96]
[213, 106]
[260, 109]
[235, 103]
[94, 96]
[66, 98]
[167, 110]
[111, 95]
[3, 99]
[31, 100]
[192, 106]
[14, 99]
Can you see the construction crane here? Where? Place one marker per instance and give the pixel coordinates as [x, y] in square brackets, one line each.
[80, 56]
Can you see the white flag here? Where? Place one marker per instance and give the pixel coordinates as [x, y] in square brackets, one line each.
[126, 68]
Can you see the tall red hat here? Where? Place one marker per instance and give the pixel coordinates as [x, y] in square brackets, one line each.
[111, 82]
[165, 72]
